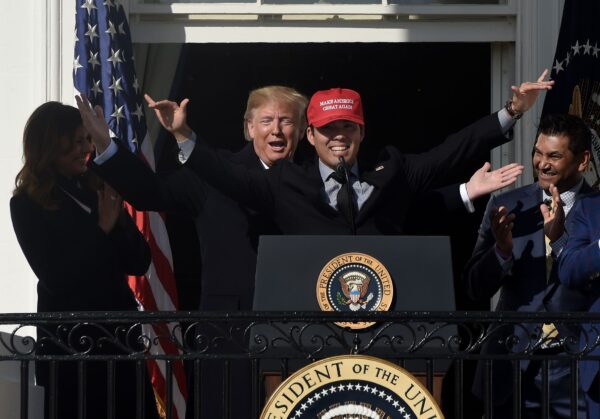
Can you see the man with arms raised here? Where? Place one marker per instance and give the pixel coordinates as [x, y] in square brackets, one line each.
[227, 232]
[303, 200]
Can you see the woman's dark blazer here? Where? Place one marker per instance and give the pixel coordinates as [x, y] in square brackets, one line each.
[81, 268]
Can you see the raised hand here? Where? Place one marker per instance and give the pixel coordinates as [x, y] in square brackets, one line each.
[525, 95]
[173, 117]
[554, 216]
[502, 225]
[110, 205]
[94, 123]
[484, 182]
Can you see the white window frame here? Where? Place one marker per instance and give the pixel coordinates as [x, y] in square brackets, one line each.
[523, 35]
[257, 22]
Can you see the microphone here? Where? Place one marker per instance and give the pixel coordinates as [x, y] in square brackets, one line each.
[342, 171]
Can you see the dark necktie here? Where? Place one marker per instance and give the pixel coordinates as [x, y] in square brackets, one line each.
[346, 204]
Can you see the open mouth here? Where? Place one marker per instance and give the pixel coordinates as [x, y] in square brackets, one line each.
[547, 177]
[339, 149]
[277, 146]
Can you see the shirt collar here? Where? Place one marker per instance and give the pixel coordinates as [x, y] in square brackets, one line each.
[263, 164]
[567, 197]
[326, 171]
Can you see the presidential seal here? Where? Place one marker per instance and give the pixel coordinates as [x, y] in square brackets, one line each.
[351, 386]
[354, 282]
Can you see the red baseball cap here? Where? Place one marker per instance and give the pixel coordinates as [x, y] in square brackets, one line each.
[330, 105]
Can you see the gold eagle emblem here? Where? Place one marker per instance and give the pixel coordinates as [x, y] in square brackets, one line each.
[355, 286]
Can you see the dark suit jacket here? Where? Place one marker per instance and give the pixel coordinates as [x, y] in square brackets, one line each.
[579, 269]
[291, 194]
[80, 268]
[525, 287]
[227, 232]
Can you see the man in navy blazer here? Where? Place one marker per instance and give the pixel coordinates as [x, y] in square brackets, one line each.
[579, 270]
[511, 257]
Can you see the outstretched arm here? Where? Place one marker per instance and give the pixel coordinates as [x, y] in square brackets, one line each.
[424, 214]
[434, 167]
[172, 116]
[140, 186]
[484, 181]
[525, 95]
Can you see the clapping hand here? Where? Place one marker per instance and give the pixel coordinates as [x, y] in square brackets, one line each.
[94, 123]
[110, 205]
[502, 225]
[554, 216]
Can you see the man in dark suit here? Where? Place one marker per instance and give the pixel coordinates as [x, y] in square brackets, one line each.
[579, 270]
[511, 256]
[227, 232]
[274, 122]
[303, 200]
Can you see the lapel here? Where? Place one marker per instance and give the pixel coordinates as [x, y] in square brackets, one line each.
[380, 177]
[585, 189]
[529, 221]
[78, 197]
[533, 198]
[315, 187]
[555, 282]
[247, 157]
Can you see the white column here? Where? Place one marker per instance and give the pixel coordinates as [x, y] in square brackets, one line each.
[23, 48]
[538, 25]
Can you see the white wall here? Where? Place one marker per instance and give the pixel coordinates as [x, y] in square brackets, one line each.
[32, 71]
[22, 87]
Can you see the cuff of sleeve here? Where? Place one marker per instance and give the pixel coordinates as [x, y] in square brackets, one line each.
[186, 147]
[110, 151]
[506, 121]
[465, 198]
[505, 264]
[558, 245]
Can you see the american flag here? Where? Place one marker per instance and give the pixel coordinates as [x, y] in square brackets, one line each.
[576, 72]
[103, 69]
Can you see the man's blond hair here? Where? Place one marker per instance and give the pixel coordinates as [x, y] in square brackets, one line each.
[282, 95]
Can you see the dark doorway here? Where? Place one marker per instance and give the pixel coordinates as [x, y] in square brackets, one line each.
[414, 95]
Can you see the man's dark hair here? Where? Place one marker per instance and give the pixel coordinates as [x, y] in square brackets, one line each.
[570, 126]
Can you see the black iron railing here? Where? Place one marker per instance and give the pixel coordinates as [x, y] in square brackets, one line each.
[276, 343]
